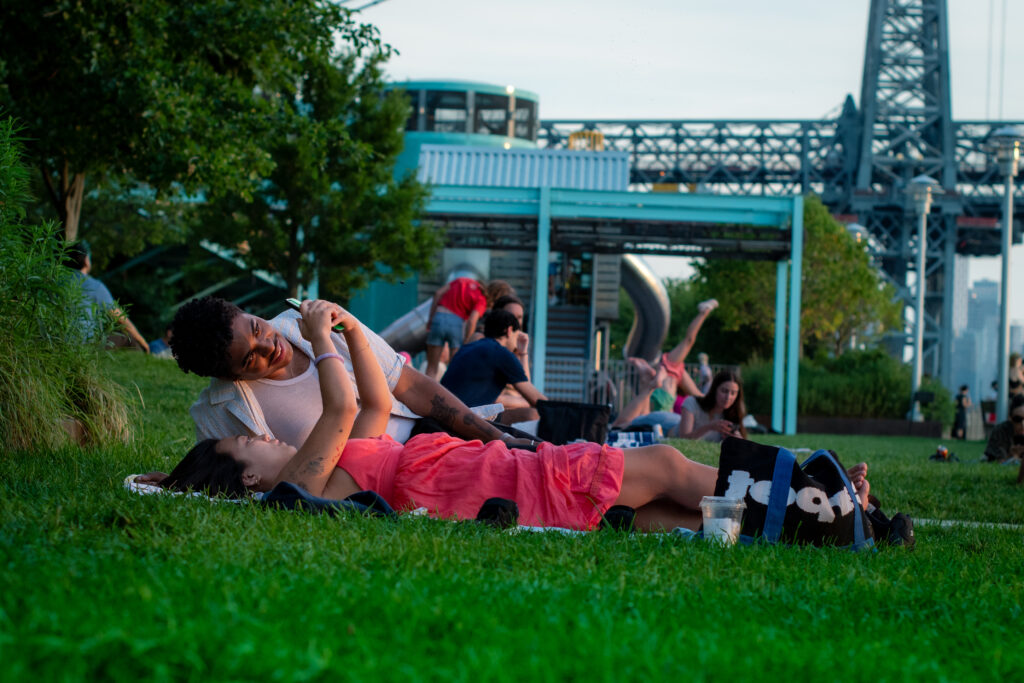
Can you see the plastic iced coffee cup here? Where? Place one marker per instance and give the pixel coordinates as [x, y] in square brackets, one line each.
[722, 518]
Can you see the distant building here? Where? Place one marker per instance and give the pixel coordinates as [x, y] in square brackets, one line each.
[975, 348]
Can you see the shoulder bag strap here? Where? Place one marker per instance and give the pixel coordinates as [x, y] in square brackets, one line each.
[778, 499]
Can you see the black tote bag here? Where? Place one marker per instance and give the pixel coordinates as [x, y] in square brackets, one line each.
[807, 503]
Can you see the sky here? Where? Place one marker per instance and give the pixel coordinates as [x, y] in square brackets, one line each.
[694, 59]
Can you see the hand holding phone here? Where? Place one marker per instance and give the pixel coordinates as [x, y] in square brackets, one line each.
[296, 304]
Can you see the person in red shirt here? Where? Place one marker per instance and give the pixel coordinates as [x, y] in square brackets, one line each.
[453, 315]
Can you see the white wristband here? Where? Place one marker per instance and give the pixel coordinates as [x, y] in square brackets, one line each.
[323, 356]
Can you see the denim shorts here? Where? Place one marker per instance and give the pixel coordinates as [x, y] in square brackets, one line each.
[446, 327]
[666, 419]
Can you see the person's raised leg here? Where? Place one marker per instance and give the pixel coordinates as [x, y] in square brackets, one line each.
[680, 350]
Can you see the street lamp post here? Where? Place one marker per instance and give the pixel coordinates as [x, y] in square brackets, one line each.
[921, 190]
[1005, 144]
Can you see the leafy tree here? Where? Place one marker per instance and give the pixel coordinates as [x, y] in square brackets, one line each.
[161, 91]
[843, 296]
[331, 209]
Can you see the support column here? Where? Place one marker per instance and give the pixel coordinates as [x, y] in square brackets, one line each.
[779, 364]
[539, 341]
[949, 274]
[795, 276]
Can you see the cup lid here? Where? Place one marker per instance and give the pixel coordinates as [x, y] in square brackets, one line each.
[722, 501]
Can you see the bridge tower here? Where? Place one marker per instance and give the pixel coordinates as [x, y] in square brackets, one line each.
[906, 129]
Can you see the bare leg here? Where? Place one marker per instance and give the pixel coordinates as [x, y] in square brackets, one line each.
[640, 404]
[679, 352]
[433, 361]
[661, 472]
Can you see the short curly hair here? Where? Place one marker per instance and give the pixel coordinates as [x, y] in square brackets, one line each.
[201, 335]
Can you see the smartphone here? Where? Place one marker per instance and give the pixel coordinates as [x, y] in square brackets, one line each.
[296, 304]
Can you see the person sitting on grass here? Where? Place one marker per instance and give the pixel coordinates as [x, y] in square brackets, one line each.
[711, 417]
[481, 370]
[569, 486]
[717, 414]
[509, 398]
[1006, 442]
[661, 389]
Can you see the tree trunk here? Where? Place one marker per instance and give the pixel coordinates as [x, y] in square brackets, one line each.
[72, 190]
[66, 199]
[73, 206]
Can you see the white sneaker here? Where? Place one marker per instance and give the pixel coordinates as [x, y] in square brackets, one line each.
[709, 305]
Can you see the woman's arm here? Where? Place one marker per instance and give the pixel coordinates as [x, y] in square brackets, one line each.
[685, 429]
[374, 394]
[314, 463]
[522, 352]
[469, 326]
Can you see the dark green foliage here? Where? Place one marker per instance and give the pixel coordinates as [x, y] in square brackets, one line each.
[49, 371]
[331, 209]
[156, 90]
[856, 384]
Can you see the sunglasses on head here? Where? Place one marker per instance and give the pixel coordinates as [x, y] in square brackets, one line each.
[1017, 418]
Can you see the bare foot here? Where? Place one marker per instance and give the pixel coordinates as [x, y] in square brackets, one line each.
[858, 477]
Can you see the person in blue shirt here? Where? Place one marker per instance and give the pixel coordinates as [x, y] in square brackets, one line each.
[480, 370]
[97, 298]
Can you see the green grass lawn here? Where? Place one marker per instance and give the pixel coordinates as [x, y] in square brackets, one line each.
[97, 583]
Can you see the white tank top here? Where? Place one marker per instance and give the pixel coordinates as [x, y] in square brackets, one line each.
[291, 406]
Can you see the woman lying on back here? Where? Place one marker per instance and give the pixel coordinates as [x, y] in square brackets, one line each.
[569, 486]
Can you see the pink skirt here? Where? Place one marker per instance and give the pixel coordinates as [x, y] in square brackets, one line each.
[569, 486]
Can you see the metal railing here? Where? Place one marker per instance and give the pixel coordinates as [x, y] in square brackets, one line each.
[616, 384]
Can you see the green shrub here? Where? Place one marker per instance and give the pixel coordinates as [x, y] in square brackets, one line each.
[856, 384]
[50, 376]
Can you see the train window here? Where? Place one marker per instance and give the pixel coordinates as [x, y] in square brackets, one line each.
[491, 114]
[526, 119]
[446, 111]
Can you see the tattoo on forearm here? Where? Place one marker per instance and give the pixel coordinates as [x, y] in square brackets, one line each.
[441, 411]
